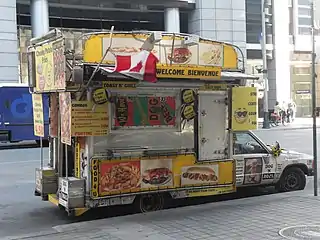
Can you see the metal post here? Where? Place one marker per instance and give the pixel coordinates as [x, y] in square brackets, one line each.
[40, 26]
[265, 67]
[66, 162]
[314, 107]
[41, 152]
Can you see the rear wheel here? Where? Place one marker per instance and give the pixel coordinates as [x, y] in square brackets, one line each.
[150, 202]
[293, 179]
[45, 143]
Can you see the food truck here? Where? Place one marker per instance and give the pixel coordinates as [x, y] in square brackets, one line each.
[144, 117]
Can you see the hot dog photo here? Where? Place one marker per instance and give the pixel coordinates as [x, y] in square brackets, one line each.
[207, 174]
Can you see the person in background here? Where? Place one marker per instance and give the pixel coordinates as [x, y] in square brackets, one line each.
[277, 109]
[292, 109]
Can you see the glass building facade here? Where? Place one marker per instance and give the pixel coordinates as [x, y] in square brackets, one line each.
[234, 21]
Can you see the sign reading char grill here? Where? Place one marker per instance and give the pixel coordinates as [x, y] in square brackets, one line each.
[122, 110]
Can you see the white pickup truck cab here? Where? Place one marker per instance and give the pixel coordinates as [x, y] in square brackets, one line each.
[257, 164]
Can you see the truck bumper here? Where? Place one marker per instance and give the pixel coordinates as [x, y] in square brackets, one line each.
[5, 136]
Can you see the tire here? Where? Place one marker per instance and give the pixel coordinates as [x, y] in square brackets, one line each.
[292, 179]
[45, 143]
[149, 202]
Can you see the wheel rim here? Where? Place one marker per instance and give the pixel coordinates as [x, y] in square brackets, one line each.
[150, 202]
[291, 181]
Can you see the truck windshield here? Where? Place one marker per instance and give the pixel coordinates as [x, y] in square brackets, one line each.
[245, 143]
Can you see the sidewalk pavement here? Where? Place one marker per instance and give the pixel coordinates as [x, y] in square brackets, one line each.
[242, 219]
[299, 123]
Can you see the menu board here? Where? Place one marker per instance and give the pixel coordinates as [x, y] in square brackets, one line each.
[50, 66]
[38, 123]
[144, 111]
[88, 119]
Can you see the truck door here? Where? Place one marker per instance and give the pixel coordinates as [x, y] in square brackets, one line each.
[255, 165]
[212, 125]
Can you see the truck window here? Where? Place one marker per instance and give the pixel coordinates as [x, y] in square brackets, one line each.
[244, 143]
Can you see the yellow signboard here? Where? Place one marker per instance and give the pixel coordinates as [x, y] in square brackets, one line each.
[100, 96]
[77, 172]
[88, 119]
[206, 73]
[204, 53]
[119, 85]
[244, 108]
[38, 122]
[176, 172]
[50, 67]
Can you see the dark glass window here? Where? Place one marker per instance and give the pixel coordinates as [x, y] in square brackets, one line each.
[254, 54]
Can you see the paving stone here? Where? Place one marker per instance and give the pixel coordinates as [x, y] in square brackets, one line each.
[251, 218]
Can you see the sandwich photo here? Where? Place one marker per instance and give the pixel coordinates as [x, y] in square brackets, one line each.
[157, 176]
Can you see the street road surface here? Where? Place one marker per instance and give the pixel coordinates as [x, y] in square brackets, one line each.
[22, 213]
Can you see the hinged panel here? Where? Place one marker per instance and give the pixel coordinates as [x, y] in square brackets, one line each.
[213, 134]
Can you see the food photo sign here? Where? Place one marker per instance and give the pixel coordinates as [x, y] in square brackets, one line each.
[135, 175]
[119, 176]
[200, 175]
[50, 66]
[205, 52]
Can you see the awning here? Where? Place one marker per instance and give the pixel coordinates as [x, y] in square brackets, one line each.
[237, 75]
[226, 76]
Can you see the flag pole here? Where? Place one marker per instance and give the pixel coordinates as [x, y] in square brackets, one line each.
[266, 124]
[314, 107]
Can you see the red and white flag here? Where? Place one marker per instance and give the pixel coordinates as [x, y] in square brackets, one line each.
[140, 66]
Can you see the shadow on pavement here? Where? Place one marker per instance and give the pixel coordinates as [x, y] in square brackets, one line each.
[116, 211]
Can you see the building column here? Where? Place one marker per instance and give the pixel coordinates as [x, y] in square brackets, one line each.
[279, 65]
[39, 17]
[9, 57]
[172, 20]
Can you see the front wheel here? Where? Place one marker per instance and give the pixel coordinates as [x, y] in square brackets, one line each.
[150, 202]
[293, 179]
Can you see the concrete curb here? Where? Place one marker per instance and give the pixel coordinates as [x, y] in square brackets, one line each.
[285, 128]
[31, 235]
